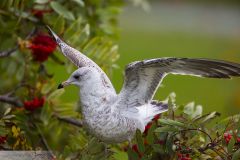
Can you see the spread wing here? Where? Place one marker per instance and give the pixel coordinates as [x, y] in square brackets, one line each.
[142, 78]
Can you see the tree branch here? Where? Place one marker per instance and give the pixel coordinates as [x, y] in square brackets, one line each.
[11, 100]
[69, 120]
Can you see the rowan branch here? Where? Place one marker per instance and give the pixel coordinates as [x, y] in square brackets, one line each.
[8, 52]
[69, 120]
[44, 141]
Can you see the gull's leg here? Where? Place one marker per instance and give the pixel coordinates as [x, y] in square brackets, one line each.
[129, 143]
[106, 148]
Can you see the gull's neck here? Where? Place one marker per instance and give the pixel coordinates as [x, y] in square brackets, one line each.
[94, 93]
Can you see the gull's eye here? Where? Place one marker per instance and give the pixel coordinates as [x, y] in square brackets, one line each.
[76, 76]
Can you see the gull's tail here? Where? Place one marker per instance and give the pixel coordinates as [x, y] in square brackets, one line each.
[148, 112]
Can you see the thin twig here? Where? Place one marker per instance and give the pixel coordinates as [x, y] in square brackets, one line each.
[44, 141]
[8, 52]
[43, 69]
[69, 120]
[222, 155]
[195, 129]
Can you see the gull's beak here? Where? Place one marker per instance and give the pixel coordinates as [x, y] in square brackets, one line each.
[63, 84]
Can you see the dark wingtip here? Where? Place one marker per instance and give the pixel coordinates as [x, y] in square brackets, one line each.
[60, 86]
[50, 31]
[53, 34]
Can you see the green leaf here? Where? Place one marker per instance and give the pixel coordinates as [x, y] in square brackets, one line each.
[172, 123]
[59, 25]
[20, 73]
[158, 148]
[91, 46]
[166, 129]
[3, 131]
[72, 29]
[193, 111]
[169, 144]
[236, 155]
[11, 68]
[234, 118]
[170, 108]
[238, 127]
[95, 147]
[56, 94]
[80, 2]
[61, 10]
[206, 118]
[41, 1]
[7, 117]
[45, 115]
[47, 87]
[140, 142]
[119, 155]
[132, 155]
[231, 145]
[150, 134]
[8, 110]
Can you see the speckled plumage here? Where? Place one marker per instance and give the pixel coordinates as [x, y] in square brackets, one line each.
[113, 117]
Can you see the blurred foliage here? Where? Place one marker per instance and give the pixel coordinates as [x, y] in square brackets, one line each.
[32, 118]
[185, 133]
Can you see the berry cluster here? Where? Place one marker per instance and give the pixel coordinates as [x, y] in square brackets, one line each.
[183, 152]
[42, 46]
[184, 156]
[228, 136]
[34, 104]
[3, 139]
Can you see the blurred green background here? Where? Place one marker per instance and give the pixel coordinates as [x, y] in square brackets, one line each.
[180, 29]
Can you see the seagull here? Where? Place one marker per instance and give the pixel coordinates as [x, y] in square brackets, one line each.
[114, 118]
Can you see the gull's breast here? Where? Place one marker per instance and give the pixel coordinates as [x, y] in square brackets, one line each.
[110, 127]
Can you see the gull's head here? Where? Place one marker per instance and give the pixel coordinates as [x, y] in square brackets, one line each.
[80, 77]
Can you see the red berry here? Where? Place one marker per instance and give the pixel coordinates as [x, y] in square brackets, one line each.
[147, 127]
[135, 149]
[227, 136]
[39, 13]
[179, 155]
[156, 117]
[161, 142]
[230, 136]
[145, 142]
